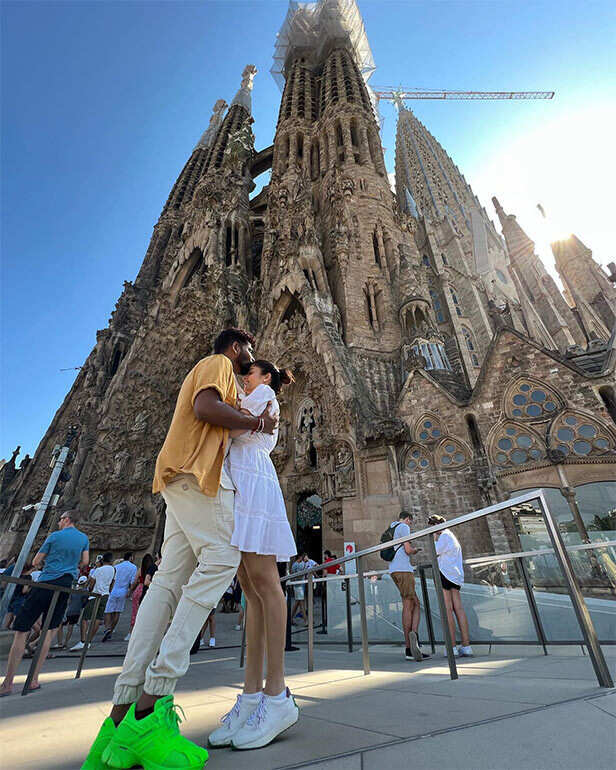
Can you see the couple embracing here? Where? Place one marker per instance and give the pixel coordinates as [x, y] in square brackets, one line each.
[225, 514]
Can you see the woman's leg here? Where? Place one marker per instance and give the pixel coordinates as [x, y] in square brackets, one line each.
[255, 635]
[265, 579]
[450, 620]
[461, 616]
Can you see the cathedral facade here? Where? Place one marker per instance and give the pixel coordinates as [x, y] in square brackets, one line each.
[439, 368]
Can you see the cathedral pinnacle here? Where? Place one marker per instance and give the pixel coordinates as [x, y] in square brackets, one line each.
[215, 122]
[243, 96]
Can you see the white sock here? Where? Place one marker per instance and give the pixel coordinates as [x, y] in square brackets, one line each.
[280, 697]
[252, 696]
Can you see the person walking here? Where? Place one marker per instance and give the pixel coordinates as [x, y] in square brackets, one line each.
[59, 556]
[125, 574]
[146, 569]
[401, 572]
[198, 563]
[76, 603]
[263, 535]
[299, 592]
[100, 581]
[449, 555]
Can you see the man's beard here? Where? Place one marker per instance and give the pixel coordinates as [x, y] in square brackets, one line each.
[245, 367]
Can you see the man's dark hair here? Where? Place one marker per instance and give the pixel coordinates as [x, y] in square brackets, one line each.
[227, 337]
[327, 553]
[107, 557]
[405, 515]
[128, 556]
[73, 516]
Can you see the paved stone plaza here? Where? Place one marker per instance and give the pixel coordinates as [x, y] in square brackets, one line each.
[511, 708]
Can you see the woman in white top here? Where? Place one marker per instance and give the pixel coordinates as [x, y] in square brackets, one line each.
[449, 553]
[263, 535]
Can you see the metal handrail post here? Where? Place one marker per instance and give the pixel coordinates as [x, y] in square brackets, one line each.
[361, 590]
[86, 645]
[40, 645]
[427, 610]
[579, 605]
[310, 623]
[532, 605]
[349, 614]
[438, 585]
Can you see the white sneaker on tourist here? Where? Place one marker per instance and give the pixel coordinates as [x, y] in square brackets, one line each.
[273, 715]
[127, 637]
[212, 642]
[238, 627]
[234, 719]
[466, 652]
[456, 653]
[77, 647]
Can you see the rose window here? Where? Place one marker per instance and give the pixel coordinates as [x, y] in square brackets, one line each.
[417, 460]
[577, 435]
[428, 429]
[531, 401]
[451, 454]
[516, 445]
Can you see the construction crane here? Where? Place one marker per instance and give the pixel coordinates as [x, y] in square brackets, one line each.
[399, 95]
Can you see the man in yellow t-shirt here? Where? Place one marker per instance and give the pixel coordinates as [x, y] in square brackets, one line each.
[198, 560]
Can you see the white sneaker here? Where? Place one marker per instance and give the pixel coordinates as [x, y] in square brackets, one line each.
[273, 716]
[212, 642]
[414, 642]
[456, 653]
[466, 652]
[127, 637]
[238, 628]
[77, 647]
[233, 720]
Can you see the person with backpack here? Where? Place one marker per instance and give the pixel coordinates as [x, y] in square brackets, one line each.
[401, 572]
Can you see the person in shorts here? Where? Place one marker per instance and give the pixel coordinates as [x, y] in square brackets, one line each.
[61, 553]
[125, 574]
[100, 582]
[76, 603]
[401, 572]
[449, 554]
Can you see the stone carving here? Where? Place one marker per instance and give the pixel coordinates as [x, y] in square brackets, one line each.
[140, 469]
[98, 510]
[120, 461]
[141, 422]
[345, 469]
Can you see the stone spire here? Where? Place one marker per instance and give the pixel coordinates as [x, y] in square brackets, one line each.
[585, 279]
[210, 132]
[538, 285]
[244, 96]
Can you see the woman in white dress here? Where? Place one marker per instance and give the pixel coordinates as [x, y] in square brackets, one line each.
[263, 535]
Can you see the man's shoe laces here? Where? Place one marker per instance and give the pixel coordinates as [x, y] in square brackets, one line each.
[173, 715]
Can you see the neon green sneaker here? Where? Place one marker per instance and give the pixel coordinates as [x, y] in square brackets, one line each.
[94, 760]
[154, 742]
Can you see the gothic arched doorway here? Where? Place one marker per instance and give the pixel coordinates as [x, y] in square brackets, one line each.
[310, 525]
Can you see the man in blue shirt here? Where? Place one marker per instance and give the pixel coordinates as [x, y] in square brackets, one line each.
[62, 553]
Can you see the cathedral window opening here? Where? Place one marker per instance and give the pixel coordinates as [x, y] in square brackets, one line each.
[417, 460]
[300, 148]
[284, 156]
[301, 98]
[315, 160]
[451, 455]
[473, 432]
[333, 74]
[444, 258]
[425, 261]
[355, 139]
[340, 141]
[429, 429]
[116, 360]
[348, 85]
[373, 147]
[362, 184]
[437, 307]
[256, 251]
[433, 353]
[375, 247]
[456, 301]
[578, 435]
[609, 399]
[532, 402]
[468, 338]
[228, 246]
[516, 445]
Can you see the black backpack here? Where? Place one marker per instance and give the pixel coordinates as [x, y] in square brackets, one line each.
[387, 554]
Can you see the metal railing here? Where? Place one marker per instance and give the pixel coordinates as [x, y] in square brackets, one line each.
[57, 590]
[589, 635]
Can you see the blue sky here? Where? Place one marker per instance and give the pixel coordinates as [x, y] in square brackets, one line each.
[103, 102]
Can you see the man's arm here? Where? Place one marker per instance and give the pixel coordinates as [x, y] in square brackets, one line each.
[85, 558]
[209, 407]
[39, 559]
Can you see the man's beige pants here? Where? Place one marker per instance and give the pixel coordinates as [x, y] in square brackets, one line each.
[198, 564]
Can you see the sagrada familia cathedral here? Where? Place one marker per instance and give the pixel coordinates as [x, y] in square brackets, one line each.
[439, 367]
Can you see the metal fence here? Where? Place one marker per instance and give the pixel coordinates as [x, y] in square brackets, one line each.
[57, 590]
[559, 553]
